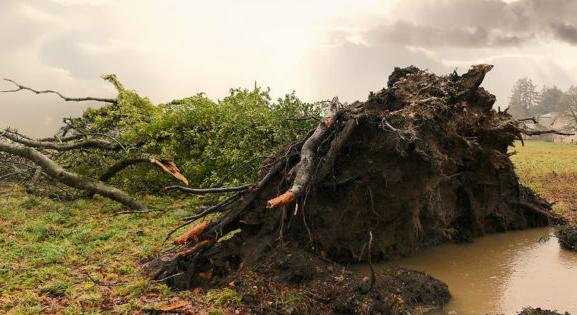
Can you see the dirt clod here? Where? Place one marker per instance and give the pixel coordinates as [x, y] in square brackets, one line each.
[567, 236]
[539, 311]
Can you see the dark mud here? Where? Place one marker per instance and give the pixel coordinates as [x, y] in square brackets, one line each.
[539, 311]
[297, 282]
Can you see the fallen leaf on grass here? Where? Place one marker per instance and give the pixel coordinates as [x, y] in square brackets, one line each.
[174, 306]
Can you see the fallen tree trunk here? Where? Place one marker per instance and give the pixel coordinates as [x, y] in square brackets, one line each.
[421, 162]
[71, 179]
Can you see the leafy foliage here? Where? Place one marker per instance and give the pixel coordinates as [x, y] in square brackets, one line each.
[212, 142]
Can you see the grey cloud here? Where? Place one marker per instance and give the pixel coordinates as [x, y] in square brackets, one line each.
[407, 33]
[565, 32]
[478, 23]
[364, 68]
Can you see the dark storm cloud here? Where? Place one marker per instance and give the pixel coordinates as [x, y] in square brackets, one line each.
[477, 23]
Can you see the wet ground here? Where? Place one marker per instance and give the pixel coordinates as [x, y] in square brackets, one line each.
[502, 273]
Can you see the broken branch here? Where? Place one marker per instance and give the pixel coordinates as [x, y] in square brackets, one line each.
[20, 87]
[305, 167]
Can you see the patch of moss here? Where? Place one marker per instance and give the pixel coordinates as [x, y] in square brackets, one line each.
[223, 297]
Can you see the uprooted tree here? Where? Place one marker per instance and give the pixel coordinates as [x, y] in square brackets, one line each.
[423, 161]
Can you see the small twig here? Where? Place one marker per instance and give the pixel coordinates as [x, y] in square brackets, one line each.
[138, 211]
[214, 208]
[99, 282]
[67, 99]
[529, 119]
[166, 278]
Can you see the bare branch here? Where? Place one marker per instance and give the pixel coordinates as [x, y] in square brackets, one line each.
[216, 208]
[120, 165]
[68, 146]
[63, 139]
[201, 191]
[20, 87]
[544, 132]
[306, 165]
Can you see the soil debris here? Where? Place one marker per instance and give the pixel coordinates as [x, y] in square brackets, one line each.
[539, 311]
[567, 236]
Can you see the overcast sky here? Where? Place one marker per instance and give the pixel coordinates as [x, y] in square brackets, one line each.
[168, 49]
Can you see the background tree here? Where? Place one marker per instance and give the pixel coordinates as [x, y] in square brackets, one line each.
[549, 101]
[524, 99]
[569, 103]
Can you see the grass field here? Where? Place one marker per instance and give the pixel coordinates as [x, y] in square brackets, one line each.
[78, 257]
[551, 170]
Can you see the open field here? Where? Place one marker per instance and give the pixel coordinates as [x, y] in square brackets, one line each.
[78, 257]
[551, 170]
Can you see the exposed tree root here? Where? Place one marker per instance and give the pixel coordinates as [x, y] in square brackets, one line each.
[421, 162]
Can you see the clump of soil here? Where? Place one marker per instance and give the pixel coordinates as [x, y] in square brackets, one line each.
[539, 311]
[567, 236]
[421, 162]
[289, 281]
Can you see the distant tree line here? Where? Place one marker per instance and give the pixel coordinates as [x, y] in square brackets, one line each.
[528, 101]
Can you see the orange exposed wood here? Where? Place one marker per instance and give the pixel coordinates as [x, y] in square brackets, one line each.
[283, 199]
[197, 247]
[170, 168]
[329, 121]
[206, 275]
[192, 234]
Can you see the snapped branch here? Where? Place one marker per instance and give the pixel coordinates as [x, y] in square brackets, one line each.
[20, 87]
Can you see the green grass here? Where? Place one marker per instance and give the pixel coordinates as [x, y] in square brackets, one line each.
[78, 257]
[538, 158]
[551, 170]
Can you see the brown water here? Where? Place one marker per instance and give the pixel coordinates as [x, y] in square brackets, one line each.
[502, 273]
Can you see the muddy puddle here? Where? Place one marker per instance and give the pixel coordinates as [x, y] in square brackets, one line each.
[502, 273]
